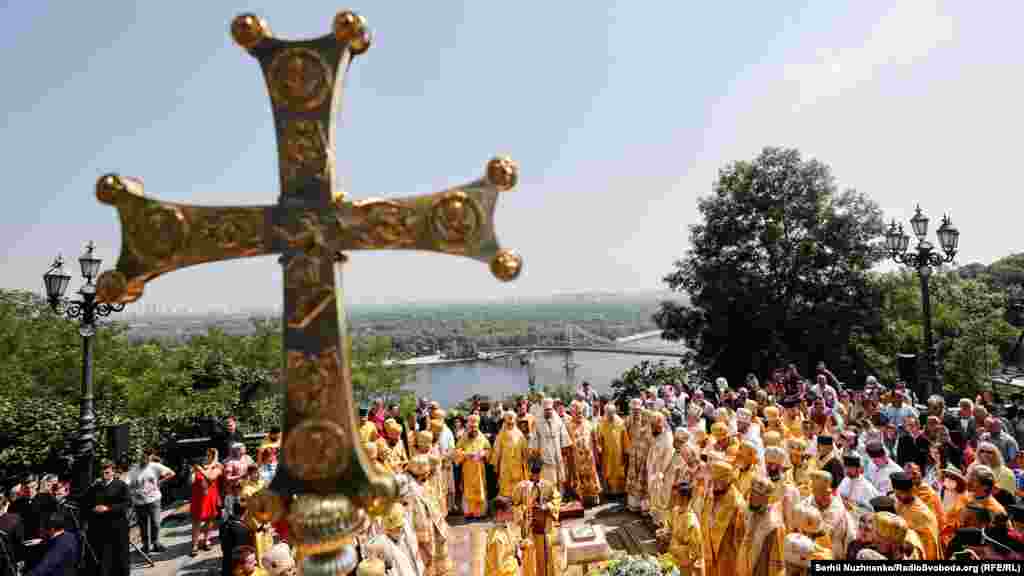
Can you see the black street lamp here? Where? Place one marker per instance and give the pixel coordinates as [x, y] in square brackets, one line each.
[86, 311]
[923, 259]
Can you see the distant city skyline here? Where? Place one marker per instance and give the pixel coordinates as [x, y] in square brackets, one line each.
[619, 113]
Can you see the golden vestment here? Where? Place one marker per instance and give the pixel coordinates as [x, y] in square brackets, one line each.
[762, 549]
[501, 558]
[743, 480]
[921, 520]
[721, 522]
[394, 457]
[431, 535]
[472, 454]
[639, 445]
[802, 477]
[612, 443]
[509, 459]
[368, 432]
[687, 545]
[262, 535]
[583, 476]
[541, 557]
[931, 498]
[788, 496]
[953, 519]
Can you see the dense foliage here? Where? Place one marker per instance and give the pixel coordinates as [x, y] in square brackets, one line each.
[777, 269]
[969, 326]
[642, 376]
[159, 388]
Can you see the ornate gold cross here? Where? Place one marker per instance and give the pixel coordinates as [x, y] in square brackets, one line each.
[324, 484]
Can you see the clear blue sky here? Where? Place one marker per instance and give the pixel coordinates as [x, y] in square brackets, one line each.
[619, 113]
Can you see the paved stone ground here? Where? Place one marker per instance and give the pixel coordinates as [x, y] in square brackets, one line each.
[176, 535]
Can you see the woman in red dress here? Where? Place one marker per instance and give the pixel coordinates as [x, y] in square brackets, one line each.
[205, 502]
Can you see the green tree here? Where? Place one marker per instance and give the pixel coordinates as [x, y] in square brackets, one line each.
[777, 269]
[643, 376]
[969, 326]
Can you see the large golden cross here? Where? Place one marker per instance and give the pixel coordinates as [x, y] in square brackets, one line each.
[324, 484]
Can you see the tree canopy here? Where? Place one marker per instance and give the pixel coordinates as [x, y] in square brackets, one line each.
[969, 327]
[777, 268]
[160, 388]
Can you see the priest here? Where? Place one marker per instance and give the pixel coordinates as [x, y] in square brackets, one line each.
[639, 444]
[582, 466]
[761, 551]
[917, 515]
[108, 502]
[855, 490]
[686, 544]
[471, 452]
[721, 522]
[785, 492]
[537, 503]
[509, 456]
[551, 444]
[502, 553]
[612, 443]
[838, 525]
[658, 461]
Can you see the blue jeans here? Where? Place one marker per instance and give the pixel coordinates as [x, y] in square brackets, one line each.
[148, 517]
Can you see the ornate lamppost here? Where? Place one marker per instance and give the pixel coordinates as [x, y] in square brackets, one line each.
[85, 310]
[923, 258]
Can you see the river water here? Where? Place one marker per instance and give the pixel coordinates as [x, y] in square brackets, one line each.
[450, 384]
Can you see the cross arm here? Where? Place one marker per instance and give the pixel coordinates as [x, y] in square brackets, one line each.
[158, 237]
[459, 221]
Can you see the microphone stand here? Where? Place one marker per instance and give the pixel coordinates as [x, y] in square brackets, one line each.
[82, 529]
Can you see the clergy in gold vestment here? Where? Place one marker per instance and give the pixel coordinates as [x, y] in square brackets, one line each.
[686, 544]
[429, 522]
[746, 467]
[721, 522]
[894, 538]
[443, 480]
[367, 429]
[611, 448]
[801, 469]
[808, 522]
[839, 525]
[761, 551]
[639, 445]
[392, 449]
[262, 535]
[471, 452]
[917, 515]
[537, 503]
[659, 458]
[927, 495]
[501, 557]
[786, 493]
[582, 462]
[509, 456]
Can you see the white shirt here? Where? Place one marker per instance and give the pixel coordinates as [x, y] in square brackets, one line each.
[550, 437]
[880, 477]
[145, 483]
[859, 491]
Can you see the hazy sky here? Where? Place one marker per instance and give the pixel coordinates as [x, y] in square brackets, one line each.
[619, 114]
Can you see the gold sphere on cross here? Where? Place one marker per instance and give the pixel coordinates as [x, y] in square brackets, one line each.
[108, 187]
[506, 265]
[249, 30]
[350, 28]
[502, 173]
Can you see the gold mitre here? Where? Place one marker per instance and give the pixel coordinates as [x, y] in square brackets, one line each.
[821, 481]
[771, 412]
[371, 567]
[775, 455]
[890, 527]
[395, 518]
[722, 470]
[797, 445]
[762, 486]
[419, 465]
[392, 427]
[772, 438]
[424, 438]
[808, 519]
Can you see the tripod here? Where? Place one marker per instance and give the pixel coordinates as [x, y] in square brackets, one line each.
[6, 557]
[133, 522]
[72, 511]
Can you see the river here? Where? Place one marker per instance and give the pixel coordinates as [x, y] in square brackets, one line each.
[450, 384]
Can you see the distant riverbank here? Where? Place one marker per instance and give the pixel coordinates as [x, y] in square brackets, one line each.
[450, 384]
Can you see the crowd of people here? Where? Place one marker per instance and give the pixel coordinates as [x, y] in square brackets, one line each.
[752, 479]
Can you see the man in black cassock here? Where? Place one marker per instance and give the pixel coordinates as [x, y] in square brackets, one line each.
[106, 504]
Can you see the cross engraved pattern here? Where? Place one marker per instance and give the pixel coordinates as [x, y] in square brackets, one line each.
[324, 484]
